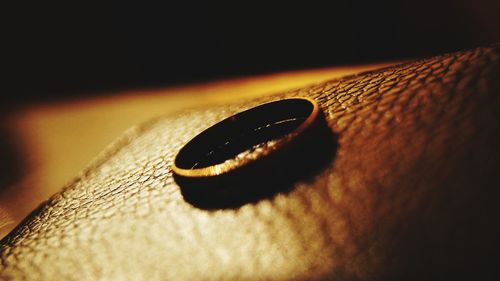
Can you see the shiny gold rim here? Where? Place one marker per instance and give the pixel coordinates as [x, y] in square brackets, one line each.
[222, 168]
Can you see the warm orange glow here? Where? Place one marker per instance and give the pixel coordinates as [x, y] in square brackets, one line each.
[57, 140]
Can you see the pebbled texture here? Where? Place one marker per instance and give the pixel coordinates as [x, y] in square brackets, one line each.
[412, 193]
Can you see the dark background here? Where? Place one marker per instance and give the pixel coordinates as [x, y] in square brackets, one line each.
[66, 49]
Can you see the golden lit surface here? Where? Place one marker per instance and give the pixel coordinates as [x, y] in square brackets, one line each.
[410, 192]
[54, 141]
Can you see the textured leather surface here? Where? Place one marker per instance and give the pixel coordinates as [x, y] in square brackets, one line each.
[412, 193]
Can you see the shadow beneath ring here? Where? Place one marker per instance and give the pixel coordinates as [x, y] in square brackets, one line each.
[315, 154]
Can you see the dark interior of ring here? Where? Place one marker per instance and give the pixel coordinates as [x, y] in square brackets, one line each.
[249, 140]
[245, 131]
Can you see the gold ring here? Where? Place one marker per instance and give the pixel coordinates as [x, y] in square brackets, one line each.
[301, 111]
[254, 153]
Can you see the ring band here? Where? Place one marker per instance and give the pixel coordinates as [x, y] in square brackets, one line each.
[253, 152]
[305, 110]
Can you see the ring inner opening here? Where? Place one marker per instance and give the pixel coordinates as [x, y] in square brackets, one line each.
[244, 134]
